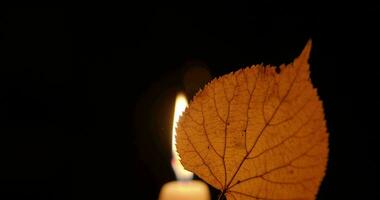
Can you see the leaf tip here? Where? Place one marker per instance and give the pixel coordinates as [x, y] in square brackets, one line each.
[303, 59]
[305, 54]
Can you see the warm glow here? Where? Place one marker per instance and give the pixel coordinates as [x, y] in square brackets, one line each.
[180, 172]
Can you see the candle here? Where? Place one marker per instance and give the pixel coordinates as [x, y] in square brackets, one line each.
[177, 190]
[185, 188]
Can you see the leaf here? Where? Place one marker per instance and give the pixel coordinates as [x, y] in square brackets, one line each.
[257, 133]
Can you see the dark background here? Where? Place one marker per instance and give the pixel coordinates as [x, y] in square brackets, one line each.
[86, 95]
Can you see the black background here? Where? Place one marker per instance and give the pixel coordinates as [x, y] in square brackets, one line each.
[86, 95]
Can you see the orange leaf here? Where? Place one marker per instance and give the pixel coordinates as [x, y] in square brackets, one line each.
[257, 133]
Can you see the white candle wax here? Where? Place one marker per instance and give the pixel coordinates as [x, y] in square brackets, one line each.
[185, 190]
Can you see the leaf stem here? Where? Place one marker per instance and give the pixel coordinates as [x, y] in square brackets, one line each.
[221, 195]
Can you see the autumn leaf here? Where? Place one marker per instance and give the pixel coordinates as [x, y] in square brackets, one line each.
[257, 133]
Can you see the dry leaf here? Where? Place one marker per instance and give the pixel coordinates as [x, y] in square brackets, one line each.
[257, 133]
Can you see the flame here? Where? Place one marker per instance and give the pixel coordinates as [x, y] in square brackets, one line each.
[180, 172]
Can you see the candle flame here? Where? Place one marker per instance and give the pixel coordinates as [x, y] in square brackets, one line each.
[180, 172]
